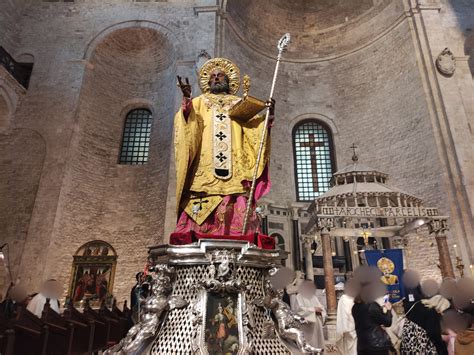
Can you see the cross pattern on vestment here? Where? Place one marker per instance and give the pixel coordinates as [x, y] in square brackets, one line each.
[221, 136]
[312, 145]
[221, 116]
[200, 202]
[221, 157]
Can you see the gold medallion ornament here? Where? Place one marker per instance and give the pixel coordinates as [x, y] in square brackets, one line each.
[387, 267]
[228, 67]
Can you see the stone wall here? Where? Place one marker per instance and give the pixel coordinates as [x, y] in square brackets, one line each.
[123, 205]
[22, 152]
[360, 68]
[9, 21]
[372, 95]
[95, 61]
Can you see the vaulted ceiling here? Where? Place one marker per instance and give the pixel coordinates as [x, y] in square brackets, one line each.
[318, 27]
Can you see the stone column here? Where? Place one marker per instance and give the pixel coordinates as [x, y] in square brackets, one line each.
[263, 214]
[438, 228]
[265, 224]
[297, 264]
[325, 225]
[348, 255]
[308, 256]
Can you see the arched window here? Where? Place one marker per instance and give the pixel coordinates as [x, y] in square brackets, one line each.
[279, 241]
[136, 137]
[314, 163]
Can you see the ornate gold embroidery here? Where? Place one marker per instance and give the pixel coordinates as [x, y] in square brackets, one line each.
[229, 68]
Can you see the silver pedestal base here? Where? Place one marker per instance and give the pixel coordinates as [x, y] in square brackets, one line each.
[214, 297]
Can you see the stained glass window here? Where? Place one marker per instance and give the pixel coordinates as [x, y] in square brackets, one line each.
[314, 164]
[136, 137]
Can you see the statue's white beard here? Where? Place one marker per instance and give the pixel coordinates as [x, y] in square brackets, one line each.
[218, 88]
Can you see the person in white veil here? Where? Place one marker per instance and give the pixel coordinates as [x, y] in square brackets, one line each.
[50, 289]
[307, 305]
[346, 337]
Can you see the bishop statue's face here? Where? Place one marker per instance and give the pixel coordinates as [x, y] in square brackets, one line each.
[219, 82]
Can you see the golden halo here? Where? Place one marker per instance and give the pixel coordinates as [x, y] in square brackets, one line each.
[385, 265]
[231, 70]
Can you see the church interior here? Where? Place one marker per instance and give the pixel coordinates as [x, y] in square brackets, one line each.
[362, 144]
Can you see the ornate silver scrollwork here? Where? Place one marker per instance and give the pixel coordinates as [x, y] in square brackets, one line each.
[288, 323]
[159, 302]
[223, 281]
[197, 322]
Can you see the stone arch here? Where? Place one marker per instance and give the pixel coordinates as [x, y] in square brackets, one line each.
[127, 66]
[25, 57]
[314, 116]
[320, 30]
[165, 31]
[280, 240]
[132, 104]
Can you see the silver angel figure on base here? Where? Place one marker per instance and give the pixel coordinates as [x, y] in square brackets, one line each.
[158, 302]
[288, 323]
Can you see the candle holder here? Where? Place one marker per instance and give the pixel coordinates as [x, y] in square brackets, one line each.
[460, 266]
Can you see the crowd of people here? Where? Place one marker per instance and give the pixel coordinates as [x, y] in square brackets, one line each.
[431, 319]
[435, 319]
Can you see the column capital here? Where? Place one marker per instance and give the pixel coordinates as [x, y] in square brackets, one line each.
[295, 212]
[438, 226]
[325, 224]
[307, 239]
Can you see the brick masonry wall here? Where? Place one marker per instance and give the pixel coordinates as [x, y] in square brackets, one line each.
[19, 180]
[373, 97]
[9, 20]
[93, 62]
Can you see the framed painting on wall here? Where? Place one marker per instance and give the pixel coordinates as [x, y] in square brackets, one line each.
[92, 275]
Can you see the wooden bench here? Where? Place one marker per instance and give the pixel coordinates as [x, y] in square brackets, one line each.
[61, 332]
[84, 329]
[102, 328]
[31, 334]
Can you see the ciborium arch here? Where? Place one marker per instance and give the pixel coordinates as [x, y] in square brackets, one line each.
[360, 204]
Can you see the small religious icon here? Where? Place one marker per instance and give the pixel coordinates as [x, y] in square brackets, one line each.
[222, 336]
[387, 267]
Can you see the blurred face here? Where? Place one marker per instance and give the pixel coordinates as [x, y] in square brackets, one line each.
[307, 288]
[429, 287]
[351, 288]
[52, 289]
[448, 288]
[373, 291]
[18, 293]
[411, 278]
